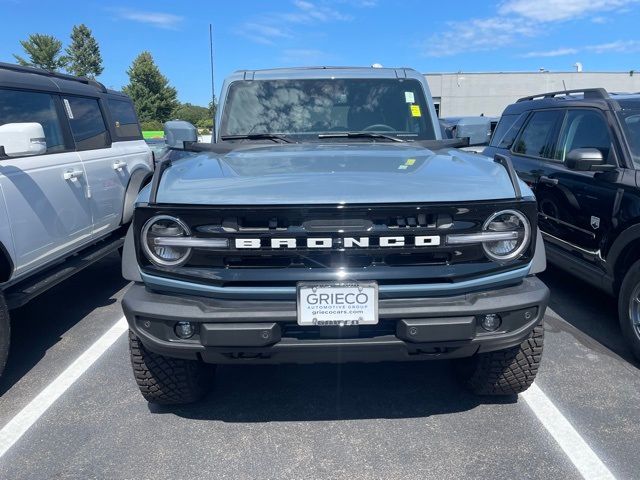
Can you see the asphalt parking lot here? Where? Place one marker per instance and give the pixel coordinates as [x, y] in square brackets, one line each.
[319, 421]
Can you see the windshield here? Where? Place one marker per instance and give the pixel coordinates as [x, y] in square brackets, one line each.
[307, 108]
[630, 120]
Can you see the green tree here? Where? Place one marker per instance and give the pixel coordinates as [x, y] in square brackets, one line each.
[150, 91]
[191, 113]
[84, 53]
[43, 51]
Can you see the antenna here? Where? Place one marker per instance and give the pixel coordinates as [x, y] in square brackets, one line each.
[213, 86]
[564, 87]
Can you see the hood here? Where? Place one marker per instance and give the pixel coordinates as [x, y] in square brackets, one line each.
[329, 174]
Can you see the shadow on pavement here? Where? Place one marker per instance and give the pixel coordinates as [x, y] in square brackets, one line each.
[591, 311]
[297, 393]
[40, 324]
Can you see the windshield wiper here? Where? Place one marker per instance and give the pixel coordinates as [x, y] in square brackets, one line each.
[360, 135]
[258, 136]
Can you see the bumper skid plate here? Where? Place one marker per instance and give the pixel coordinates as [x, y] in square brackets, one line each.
[229, 331]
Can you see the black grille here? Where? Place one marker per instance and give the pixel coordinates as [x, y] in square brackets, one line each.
[286, 266]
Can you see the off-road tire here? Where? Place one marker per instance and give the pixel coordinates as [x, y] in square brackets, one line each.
[631, 280]
[5, 333]
[505, 372]
[165, 380]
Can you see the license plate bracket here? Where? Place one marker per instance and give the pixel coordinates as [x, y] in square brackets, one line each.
[337, 303]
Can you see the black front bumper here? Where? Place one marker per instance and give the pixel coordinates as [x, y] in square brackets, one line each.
[231, 331]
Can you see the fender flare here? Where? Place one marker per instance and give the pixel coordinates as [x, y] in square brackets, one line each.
[625, 238]
[6, 264]
[138, 179]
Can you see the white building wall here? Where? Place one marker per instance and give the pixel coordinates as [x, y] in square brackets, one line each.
[461, 94]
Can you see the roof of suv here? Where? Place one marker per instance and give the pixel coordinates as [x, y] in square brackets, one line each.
[16, 76]
[324, 72]
[592, 97]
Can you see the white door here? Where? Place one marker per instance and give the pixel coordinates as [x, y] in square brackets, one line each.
[45, 195]
[107, 173]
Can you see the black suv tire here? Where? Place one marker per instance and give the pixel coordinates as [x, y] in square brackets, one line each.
[5, 332]
[168, 381]
[629, 288]
[505, 372]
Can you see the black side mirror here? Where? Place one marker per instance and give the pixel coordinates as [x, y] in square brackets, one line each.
[586, 160]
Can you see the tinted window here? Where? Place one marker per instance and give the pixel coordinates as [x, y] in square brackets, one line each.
[87, 125]
[313, 106]
[25, 107]
[630, 120]
[537, 137]
[124, 119]
[584, 129]
[507, 130]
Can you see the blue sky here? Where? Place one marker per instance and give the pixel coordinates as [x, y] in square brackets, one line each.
[431, 36]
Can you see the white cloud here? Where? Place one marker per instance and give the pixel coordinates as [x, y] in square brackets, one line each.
[280, 25]
[157, 19]
[559, 10]
[517, 19]
[261, 33]
[620, 46]
[475, 35]
[559, 52]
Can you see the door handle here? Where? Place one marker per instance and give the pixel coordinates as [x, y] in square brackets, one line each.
[72, 174]
[119, 165]
[548, 181]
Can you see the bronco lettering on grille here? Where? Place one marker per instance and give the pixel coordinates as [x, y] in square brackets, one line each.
[344, 242]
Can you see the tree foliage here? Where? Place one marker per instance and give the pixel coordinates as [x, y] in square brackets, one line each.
[191, 113]
[150, 91]
[84, 53]
[43, 51]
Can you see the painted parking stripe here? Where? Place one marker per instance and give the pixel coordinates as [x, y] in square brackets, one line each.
[19, 424]
[573, 445]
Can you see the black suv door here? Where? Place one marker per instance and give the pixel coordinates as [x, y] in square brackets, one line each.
[575, 208]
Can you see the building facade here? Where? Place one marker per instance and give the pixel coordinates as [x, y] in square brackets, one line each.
[470, 94]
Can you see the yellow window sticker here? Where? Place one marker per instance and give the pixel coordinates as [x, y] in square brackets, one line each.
[415, 111]
[410, 161]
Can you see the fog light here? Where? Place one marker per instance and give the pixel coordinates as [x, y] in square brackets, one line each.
[184, 330]
[490, 322]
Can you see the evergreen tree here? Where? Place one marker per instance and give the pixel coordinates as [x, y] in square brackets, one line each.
[150, 91]
[84, 53]
[43, 51]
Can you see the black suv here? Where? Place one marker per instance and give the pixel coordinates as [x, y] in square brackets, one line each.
[580, 153]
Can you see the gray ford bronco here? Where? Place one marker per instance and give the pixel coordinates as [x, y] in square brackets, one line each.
[329, 222]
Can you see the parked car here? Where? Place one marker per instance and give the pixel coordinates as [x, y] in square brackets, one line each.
[579, 151]
[323, 228]
[72, 161]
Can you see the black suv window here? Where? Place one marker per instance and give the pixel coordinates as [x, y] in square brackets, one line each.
[538, 136]
[124, 118]
[24, 107]
[87, 124]
[507, 130]
[584, 128]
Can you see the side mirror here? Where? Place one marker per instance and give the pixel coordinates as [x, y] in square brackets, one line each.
[22, 139]
[478, 129]
[586, 160]
[178, 132]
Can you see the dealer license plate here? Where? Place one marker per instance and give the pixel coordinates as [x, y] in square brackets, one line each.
[338, 303]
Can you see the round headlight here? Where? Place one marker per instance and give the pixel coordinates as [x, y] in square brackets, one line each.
[507, 221]
[156, 238]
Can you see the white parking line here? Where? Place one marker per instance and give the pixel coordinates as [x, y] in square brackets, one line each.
[573, 445]
[19, 424]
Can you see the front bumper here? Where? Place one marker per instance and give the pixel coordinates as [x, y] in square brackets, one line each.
[231, 331]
